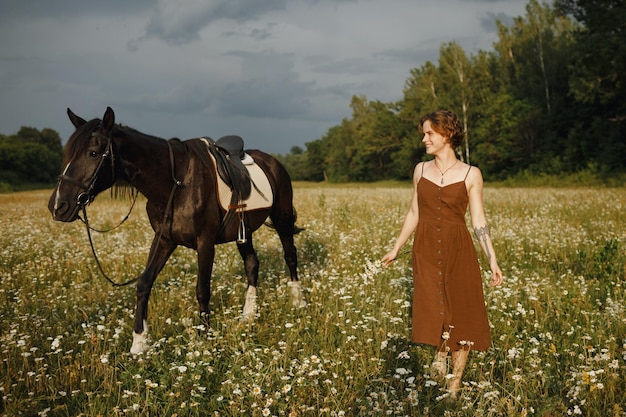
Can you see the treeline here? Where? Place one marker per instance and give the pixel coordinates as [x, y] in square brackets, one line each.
[550, 98]
[29, 158]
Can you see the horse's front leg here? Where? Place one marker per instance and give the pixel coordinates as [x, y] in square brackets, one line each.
[206, 257]
[160, 252]
[251, 265]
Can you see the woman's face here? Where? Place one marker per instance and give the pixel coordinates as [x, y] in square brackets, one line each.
[433, 141]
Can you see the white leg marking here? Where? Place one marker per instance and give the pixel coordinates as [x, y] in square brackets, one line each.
[249, 308]
[140, 341]
[297, 298]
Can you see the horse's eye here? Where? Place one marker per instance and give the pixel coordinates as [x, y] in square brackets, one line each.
[93, 154]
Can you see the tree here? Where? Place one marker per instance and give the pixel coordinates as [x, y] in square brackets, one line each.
[455, 77]
[597, 80]
[30, 157]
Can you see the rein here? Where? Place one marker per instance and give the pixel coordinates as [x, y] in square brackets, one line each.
[85, 198]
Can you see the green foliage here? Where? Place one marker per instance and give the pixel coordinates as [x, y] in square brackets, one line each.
[28, 158]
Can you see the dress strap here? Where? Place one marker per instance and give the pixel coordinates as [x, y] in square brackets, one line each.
[470, 168]
[423, 163]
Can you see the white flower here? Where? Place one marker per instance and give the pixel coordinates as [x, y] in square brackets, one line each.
[402, 371]
[404, 355]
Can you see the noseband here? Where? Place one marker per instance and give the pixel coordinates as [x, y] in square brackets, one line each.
[87, 195]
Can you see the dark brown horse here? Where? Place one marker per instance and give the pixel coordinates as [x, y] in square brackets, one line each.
[178, 178]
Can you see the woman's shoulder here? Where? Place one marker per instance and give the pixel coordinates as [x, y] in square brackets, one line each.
[473, 177]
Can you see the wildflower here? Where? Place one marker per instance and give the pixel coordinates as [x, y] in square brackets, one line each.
[266, 412]
[55, 343]
[513, 353]
[286, 388]
[402, 371]
[404, 355]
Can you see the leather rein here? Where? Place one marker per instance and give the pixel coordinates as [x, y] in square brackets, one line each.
[87, 196]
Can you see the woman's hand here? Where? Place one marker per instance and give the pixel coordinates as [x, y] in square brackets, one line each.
[496, 275]
[390, 257]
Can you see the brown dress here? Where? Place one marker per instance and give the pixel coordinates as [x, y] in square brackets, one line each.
[447, 282]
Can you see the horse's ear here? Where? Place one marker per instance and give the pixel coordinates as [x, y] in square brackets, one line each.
[77, 121]
[108, 120]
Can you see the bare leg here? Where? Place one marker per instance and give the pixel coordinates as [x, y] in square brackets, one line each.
[459, 360]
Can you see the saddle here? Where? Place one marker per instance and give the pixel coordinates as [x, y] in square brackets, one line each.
[229, 162]
[229, 156]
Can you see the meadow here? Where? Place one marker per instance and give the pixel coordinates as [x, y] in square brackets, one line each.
[558, 321]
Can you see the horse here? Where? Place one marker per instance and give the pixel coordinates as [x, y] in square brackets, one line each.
[178, 179]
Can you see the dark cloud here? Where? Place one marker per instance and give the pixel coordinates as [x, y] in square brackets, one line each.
[178, 25]
[269, 88]
[70, 9]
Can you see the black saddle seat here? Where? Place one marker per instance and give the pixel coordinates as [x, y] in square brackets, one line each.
[228, 153]
[232, 145]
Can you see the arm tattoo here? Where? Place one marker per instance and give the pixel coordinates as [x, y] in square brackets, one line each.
[481, 234]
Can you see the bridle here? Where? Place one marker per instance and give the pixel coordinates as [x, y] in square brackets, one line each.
[83, 199]
[87, 197]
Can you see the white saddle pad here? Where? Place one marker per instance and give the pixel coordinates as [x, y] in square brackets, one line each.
[262, 198]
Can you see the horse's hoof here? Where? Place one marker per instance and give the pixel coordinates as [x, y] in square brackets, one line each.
[297, 298]
[249, 308]
[140, 341]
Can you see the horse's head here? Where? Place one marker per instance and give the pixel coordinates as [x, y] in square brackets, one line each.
[87, 166]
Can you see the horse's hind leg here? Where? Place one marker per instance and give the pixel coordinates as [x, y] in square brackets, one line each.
[251, 265]
[285, 226]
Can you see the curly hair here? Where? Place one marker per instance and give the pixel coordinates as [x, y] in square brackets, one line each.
[447, 124]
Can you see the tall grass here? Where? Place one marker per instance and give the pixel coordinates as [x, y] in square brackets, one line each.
[558, 322]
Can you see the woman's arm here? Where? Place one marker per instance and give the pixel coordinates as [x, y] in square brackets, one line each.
[479, 222]
[410, 222]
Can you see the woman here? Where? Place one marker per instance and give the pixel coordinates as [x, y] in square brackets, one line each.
[448, 303]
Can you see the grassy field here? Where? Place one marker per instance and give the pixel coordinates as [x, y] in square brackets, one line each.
[558, 322]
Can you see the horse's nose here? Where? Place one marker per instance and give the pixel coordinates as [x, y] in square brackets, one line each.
[59, 209]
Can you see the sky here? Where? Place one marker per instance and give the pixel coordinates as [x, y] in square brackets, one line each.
[278, 73]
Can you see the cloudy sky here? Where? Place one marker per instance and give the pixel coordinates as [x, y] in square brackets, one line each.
[279, 73]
